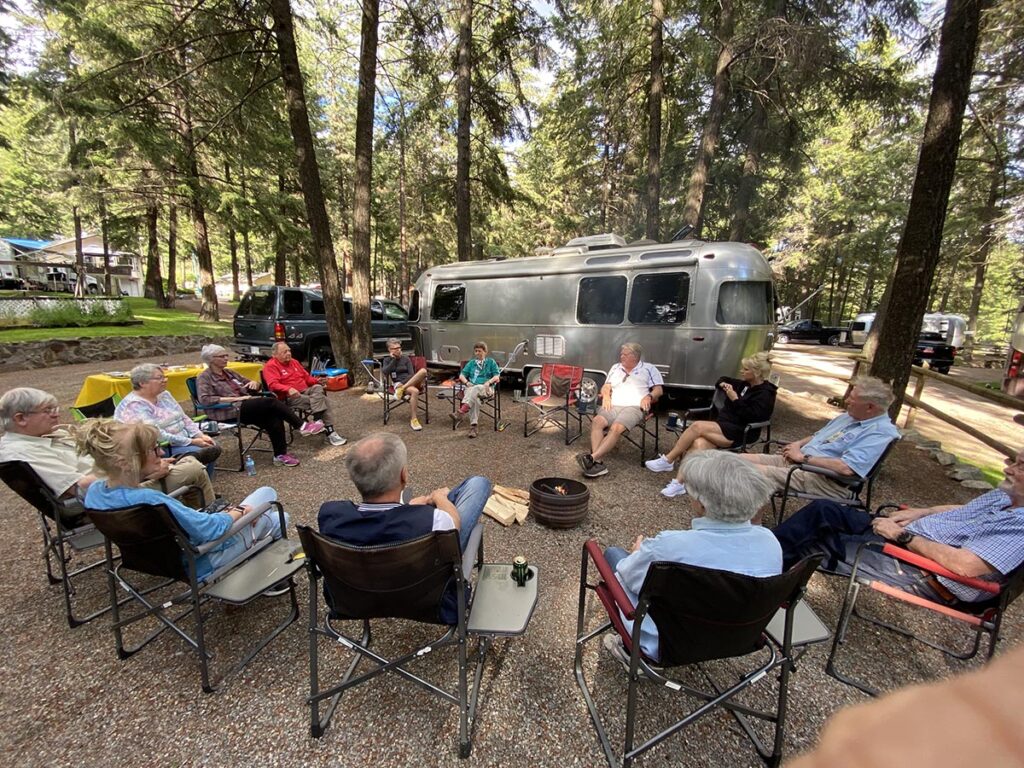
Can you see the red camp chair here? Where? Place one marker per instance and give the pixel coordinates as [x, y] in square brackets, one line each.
[560, 386]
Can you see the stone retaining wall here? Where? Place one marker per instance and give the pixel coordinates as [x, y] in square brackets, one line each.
[26, 355]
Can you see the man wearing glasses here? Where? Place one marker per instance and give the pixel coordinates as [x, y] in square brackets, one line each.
[982, 539]
[29, 419]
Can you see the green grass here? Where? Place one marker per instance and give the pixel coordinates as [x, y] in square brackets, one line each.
[155, 322]
[992, 475]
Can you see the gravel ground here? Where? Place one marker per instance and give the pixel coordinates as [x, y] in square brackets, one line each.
[68, 700]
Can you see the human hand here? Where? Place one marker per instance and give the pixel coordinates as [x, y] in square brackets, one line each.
[904, 516]
[292, 392]
[793, 454]
[637, 543]
[439, 495]
[203, 441]
[728, 389]
[253, 386]
[162, 471]
[886, 528]
[645, 403]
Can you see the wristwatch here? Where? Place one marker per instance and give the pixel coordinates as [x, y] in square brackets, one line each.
[904, 538]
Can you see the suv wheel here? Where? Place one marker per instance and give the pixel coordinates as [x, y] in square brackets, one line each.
[833, 340]
[783, 338]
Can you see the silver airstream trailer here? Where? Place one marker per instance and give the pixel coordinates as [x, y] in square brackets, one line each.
[696, 307]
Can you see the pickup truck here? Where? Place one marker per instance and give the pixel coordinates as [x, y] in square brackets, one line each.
[809, 330]
[272, 313]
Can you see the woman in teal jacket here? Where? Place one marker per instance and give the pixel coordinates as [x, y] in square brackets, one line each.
[479, 377]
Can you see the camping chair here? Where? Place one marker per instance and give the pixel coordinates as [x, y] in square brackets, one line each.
[560, 394]
[385, 390]
[854, 484]
[66, 532]
[103, 409]
[216, 411]
[980, 618]
[409, 580]
[702, 614]
[751, 432]
[153, 544]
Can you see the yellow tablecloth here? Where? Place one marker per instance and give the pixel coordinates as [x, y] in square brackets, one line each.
[101, 386]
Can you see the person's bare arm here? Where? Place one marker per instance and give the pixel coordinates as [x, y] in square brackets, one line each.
[960, 561]
[793, 453]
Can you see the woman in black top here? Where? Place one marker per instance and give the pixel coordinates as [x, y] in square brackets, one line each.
[398, 371]
[748, 400]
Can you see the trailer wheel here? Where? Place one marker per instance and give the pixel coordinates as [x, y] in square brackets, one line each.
[783, 338]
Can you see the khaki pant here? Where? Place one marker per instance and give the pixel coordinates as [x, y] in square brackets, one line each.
[471, 399]
[313, 400]
[776, 469]
[184, 472]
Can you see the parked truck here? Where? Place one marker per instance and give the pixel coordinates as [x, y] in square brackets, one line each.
[810, 330]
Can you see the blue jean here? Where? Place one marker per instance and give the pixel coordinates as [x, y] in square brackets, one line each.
[469, 497]
[267, 524]
[837, 531]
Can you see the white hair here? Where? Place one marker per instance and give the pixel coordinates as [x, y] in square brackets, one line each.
[140, 374]
[210, 351]
[375, 463]
[22, 400]
[730, 489]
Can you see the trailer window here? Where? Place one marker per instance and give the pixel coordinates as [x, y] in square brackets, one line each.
[659, 298]
[602, 300]
[449, 303]
[745, 303]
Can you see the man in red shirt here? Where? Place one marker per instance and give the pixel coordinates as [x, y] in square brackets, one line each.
[292, 383]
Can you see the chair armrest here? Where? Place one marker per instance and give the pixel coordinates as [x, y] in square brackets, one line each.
[924, 563]
[689, 413]
[829, 473]
[759, 425]
[247, 519]
[179, 492]
[608, 577]
[214, 406]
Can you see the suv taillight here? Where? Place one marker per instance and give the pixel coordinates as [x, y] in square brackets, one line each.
[1014, 370]
[279, 331]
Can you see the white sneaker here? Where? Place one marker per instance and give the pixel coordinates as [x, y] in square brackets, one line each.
[335, 439]
[660, 464]
[673, 489]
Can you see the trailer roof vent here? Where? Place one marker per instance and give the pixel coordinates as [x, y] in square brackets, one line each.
[598, 242]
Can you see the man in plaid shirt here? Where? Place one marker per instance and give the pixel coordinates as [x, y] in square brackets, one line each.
[982, 539]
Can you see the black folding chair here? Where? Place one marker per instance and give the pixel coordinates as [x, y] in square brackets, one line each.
[152, 543]
[216, 413]
[561, 391]
[103, 409]
[702, 614]
[409, 580]
[385, 390]
[490, 406]
[980, 618]
[751, 432]
[853, 485]
[66, 533]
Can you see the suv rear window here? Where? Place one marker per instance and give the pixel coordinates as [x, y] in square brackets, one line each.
[292, 303]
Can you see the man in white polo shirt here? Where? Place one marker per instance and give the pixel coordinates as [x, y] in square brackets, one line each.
[630, 390]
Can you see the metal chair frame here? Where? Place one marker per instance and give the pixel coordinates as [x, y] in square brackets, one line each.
[855, 483]
[154, 544]
[236, 424]
[982, 618]
[717, 401]
[445, 558]
[777, 657]
[386, 390]
[648, 428]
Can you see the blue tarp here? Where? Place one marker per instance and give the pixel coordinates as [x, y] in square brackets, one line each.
[27, 245]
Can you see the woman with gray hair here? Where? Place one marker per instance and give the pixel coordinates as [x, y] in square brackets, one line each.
[151, 403]
[219, 385]
[727, 492]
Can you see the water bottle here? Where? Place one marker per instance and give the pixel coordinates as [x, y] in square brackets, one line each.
[250, 465]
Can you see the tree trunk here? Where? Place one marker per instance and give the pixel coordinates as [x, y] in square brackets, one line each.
[739, 227]
[463, 224]
[712, 121]
[154, 282]
[232, 244]
[654, 96]
[918, 251]
[954, 267]
[172, 256]
[246, 250]
[362, 338]
[986, 237]
[403, 245]
[309, 178]
[105, 237]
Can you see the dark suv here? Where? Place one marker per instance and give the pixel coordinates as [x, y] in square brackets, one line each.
[273, 313]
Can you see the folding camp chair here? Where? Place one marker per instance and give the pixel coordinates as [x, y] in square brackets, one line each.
[410, 580]
[560, 395]
[235, 425]
[751, 432]
[66, 532]
[152, 543]
[103, 409]
[702, 614]
[385, 390]
[980, 618]
[855, 485]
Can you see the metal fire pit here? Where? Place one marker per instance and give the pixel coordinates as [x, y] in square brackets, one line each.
[558, 502]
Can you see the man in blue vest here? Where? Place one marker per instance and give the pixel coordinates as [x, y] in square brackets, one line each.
[378, 467]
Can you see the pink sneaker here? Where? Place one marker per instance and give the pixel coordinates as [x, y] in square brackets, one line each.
[286, 459]
[311, 428]
[463, 408]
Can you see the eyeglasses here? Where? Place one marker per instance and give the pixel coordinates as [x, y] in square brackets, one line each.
[158, 451]
[51, 410]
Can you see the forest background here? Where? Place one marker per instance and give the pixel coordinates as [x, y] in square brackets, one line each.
[500, 127]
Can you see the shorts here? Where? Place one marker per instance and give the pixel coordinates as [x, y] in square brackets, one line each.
[628, 416]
